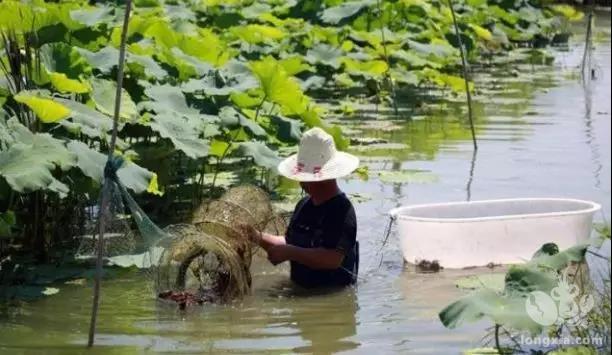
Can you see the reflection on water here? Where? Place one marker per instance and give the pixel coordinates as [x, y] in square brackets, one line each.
[535, 127]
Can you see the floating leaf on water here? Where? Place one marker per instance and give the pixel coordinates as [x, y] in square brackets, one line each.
[407, 177]
[495, 282]
[49, 291]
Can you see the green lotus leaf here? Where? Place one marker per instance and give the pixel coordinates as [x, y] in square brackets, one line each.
[429, 50]
[255, 33]
[93, 16]
[568, 11]
[206, 46]
[149, 66]
[255, 10]
[184, 133]
[103, 94]
[216, 83]
[86, 120]
[179, 60]
[481, 32]
[279, 87]
[335, 14]
[231, 117]
[103, 60]
[219, 148]
[294, 65]
[508, 308]
[455, 83]
[288, 130]
[65, 59]
[413, 60]
[313, 82]
[47, 110]
[92, 162]
[368, 69]
[507, 312]
[65, 85]
[261, 154]
[28, 163]
[107, 58]
[559, 260]
[169, 99]
[324, 54]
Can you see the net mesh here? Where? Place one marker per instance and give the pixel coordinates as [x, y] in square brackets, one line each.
[206, 260]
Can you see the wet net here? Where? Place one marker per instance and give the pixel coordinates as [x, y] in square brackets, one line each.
[205, 260]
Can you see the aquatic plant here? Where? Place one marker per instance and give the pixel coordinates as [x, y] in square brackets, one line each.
[503, 298]
[209, 87]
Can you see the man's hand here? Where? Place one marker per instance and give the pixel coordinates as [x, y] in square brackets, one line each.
[250, 233]
[278, 254]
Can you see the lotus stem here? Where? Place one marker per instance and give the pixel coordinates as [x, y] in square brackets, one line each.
[107, 186]
[465, 74]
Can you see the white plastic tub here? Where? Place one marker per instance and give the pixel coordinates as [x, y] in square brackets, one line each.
[477, 233]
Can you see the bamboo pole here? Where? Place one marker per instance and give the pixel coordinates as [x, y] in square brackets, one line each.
[586, 57]
[465, 74]
[107, 186]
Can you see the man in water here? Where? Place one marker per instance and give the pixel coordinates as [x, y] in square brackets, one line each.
[320, 242]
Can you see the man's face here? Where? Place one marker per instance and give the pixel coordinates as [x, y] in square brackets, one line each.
[309, 186]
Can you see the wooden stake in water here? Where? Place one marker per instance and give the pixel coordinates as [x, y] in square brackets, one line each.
[466, 77]
[107, 187]
[588, 43]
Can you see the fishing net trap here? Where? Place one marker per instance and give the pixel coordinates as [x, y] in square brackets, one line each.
[205, 260]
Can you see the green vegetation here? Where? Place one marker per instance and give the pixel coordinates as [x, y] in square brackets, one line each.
[215, 93]
[505, 299]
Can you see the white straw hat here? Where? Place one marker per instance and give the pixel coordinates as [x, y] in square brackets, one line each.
[317, 159]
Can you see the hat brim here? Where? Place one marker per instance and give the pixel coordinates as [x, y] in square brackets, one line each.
[342, 164]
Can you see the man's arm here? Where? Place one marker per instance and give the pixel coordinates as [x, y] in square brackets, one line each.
[267, 241]
[314, 258]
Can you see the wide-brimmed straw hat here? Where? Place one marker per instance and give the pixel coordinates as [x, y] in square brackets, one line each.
[317, 159]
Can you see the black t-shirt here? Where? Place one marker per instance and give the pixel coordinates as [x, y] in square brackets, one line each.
[331, 225]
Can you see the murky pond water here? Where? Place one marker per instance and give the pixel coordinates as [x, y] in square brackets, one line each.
[541, 134]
